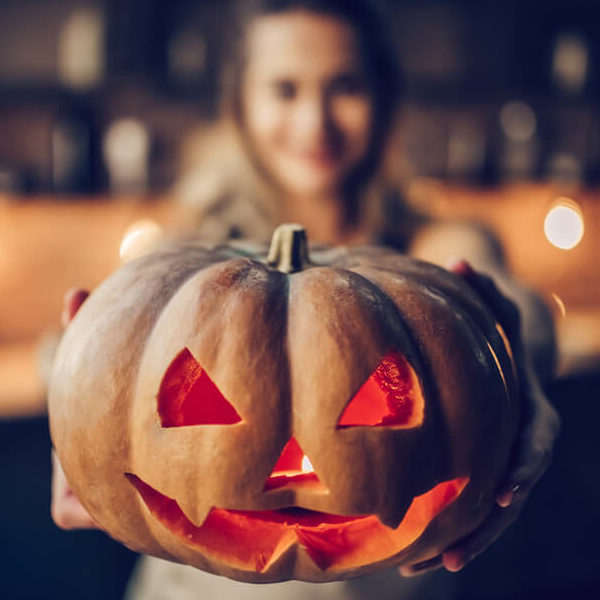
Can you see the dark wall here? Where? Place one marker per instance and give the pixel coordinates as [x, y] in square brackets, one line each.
[37, 560]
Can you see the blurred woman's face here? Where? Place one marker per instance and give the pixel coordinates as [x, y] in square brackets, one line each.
[306, 108]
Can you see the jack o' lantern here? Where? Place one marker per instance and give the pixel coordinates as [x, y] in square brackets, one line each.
[275, 418]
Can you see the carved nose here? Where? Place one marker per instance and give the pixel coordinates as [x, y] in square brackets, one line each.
[293, 469]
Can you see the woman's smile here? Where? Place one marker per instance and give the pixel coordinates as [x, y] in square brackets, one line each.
[307, 112]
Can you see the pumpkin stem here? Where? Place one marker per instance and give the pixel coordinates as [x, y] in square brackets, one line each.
[289, 248]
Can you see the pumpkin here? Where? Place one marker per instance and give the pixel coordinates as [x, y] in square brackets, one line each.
[275, 417]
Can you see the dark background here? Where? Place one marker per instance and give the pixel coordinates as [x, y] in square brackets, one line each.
[158, 61]
[463, 62]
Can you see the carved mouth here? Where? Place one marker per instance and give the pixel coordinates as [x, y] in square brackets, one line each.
[254, 540]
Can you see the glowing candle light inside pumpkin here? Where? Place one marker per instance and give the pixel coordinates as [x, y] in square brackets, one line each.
[563, 225]
[307, 465]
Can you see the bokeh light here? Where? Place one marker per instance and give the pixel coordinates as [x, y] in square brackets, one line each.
[126, 148]
[80, 60]
[563, 224]
[518, 121]
[570, 61]
[139, 239]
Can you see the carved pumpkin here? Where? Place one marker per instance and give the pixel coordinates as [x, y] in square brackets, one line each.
[276, 419]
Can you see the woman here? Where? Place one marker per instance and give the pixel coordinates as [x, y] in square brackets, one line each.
[309, 108]
[309, 102]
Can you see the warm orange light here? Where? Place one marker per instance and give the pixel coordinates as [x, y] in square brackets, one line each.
[293, 469]
[563, 224]
[391, 397]
[140, 238]
[187, 396]
[254, 540]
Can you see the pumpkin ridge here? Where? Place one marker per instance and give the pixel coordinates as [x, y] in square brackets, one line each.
[458, 300]
[134, 278]
[468, 299]
[475, 331]
[460, 309]
[376, 308]
[246, 292]
[384, 299]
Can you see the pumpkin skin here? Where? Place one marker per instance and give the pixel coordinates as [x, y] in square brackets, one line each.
[287, 353]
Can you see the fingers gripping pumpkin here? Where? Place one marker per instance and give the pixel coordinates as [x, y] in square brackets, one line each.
[275, 419]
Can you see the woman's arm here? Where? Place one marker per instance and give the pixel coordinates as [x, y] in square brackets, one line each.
[540, 423]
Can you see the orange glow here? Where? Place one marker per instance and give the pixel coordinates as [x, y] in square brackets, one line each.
[290, 458]
[293, 468]
[254, 540]
[188, 396]
[390, 397]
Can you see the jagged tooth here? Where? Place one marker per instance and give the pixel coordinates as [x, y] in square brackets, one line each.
[194, 512]
[159, 504]
[287, 540]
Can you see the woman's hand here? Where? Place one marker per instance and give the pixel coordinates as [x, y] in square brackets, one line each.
[533, 447]
[66, 510]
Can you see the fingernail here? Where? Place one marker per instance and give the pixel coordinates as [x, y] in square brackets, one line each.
[453, 562]
[454, 568]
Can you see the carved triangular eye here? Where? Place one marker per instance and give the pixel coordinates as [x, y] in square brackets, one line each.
[188, 396]
[391, 397]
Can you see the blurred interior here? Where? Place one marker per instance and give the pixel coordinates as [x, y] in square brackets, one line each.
[501, 124]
